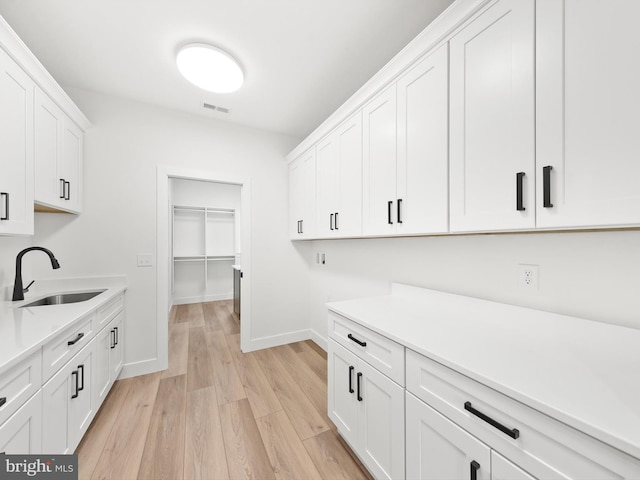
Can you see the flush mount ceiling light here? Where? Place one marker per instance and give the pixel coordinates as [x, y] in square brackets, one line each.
[209, 68]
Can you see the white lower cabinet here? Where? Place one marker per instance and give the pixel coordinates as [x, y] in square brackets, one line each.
[22, 432]
[109, 358]
[368, 409]
[68, 403]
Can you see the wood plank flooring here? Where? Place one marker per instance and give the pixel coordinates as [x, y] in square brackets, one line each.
[218, 413]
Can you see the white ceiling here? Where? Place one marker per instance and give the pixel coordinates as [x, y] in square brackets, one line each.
[302, 58]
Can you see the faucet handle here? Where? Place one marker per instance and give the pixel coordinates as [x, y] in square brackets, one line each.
[27, 287]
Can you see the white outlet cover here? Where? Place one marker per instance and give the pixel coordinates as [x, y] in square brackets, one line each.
[145, 260]
[528, 277]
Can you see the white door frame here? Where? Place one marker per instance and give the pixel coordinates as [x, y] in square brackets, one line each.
[163, 255]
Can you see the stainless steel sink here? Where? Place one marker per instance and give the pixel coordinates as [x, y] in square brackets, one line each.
[63, 298]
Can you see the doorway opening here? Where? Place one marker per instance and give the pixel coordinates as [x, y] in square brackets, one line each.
[203, 230]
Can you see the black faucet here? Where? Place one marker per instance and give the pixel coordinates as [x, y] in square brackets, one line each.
[18, 292]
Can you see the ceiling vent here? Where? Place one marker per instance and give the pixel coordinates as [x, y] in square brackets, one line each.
[213, 107]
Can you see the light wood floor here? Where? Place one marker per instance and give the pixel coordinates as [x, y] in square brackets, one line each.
[218, 413]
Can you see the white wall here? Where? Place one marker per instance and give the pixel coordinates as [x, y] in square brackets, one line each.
[127, 142]
[592, 275]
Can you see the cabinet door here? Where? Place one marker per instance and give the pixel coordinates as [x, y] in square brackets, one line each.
[116, 359]
[437, 448]
[380, 423]
[295, 200]
[22, 432]
[83, 406]
[587, 112]
[101, 377]
[493, 119]
[503, 469]
[308, 194]
[379, 164]
[16, 149]
[423, 148]
[348, 221]
[341, 387]
[71, 165]
[49, 186]
[57, 411]
[328, 180]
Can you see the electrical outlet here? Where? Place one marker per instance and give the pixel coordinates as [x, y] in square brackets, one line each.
[528, 276]
[145, 260]
[323, 258]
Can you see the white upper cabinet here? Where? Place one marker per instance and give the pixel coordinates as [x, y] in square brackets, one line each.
[423, 149]
[379, 164]
[492, 156]
[302, 196]
[339, 181]
[58, 157]
[16, 149]
[587, 112]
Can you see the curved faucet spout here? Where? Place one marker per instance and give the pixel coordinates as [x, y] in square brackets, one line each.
[18, 291]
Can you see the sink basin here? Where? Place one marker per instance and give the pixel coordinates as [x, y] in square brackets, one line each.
[63, 298]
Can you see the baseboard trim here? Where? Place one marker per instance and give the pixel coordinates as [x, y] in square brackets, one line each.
[143, 367]
[277, 340]
[203, 298]
[318, 339]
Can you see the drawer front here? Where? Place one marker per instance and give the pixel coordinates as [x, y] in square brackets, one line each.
[380, 352]
[107, 312]
[19, 383]
[59, 351]
[544, 447]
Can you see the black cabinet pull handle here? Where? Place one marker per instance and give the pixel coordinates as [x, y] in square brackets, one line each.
[62, 187]
[359, 376]
[113, 339]
[117, 335]
[389, 204]
[519, 182]
[67, 195]
[399, 217]
[512, 432]
[6, 205]
[359, 342]
[335, 223]
[351, 369]
[75, 340]
[301, 226]
[473, 474]
[81, 369]
[75, 395]
[546, 186]
[3, 400]
[331, 221]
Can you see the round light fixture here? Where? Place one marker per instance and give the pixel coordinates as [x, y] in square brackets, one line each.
[209, 68]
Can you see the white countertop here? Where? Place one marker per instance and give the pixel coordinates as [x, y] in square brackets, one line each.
[24, 330]
[583, 373]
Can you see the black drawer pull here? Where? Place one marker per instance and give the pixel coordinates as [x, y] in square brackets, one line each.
[81, 368]
[389, 204]
[75, 340]
[63, 184]
[6, 205]
[67, 195]
[512, 432]
[358, 386]
[546, 186]
[359, 342]
[3, 400]
[351, 369]
[331, 221]
[473, 474]
[117, 335]
[399, 218]
[519, 182]
[75, 395]
[113, 339]
[336, 221]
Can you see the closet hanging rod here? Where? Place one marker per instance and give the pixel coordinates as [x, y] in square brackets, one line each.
[230, 211]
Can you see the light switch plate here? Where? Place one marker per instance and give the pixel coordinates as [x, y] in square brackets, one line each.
[145, 260]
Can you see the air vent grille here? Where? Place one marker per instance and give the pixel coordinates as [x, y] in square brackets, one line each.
[215, 107]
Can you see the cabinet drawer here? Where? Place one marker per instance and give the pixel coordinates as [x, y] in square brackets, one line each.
[383, 354]
[19, 383]
[59, 351]
[107, 312]
[544, 447]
